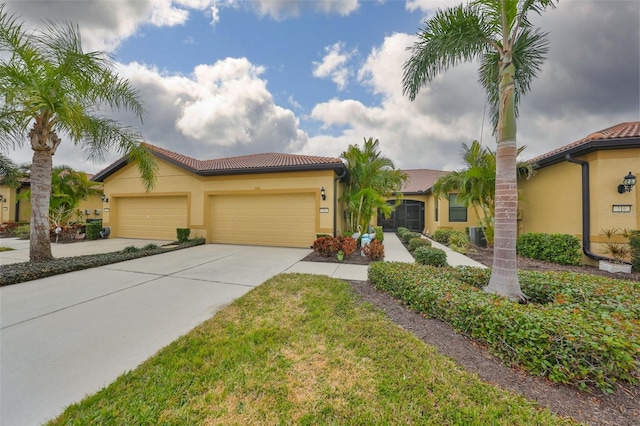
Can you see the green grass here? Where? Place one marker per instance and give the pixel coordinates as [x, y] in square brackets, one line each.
[302, 349]
[5, 248]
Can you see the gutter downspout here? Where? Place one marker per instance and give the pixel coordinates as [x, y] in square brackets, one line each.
[586, 210]
[335, 201]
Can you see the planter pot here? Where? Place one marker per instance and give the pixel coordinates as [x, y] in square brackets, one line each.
[614, 267]
[340, 257]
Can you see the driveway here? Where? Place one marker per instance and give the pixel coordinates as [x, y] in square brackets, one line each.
[67, 336]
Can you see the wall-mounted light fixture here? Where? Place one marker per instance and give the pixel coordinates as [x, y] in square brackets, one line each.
[104, 198]
[627, 184]
[1, 199]
[323, 193]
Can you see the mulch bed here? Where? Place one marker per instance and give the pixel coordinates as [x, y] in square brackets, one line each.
[621, 408]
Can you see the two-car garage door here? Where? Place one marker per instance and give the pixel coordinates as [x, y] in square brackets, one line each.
[155, 218]
[287, 220]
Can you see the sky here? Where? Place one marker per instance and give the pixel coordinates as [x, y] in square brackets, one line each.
[223, 78]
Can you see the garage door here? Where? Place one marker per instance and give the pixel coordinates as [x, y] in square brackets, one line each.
[155, 218]
[287, 220]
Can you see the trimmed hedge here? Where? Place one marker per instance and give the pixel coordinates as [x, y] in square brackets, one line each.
[414, 243]
[93, 230]
[587, 334]
[26, 271]
[442, 236]
[634, 244]
[408, 236]
[427, 255]
[183, 234]
[557, 248]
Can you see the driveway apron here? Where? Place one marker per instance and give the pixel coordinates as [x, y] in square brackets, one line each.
[69, 335]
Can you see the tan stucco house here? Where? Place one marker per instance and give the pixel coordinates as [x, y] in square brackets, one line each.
[576, 188]
[263, 199]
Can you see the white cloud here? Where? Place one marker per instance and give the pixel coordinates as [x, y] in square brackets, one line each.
[334, 65]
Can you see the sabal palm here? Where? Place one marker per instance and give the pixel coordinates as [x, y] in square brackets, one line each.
[511, 53]
[50, 88]
[371, 179]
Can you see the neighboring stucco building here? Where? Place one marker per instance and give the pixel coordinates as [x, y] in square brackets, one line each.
[263, 199]
[575, 189]
[421, 211]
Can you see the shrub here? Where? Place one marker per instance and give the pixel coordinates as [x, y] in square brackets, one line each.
[9, 229]
[414, 243]
[558, 248]
[374, 250]
[634, 243]
[183, 234]
[326, 246]
[130, 249]
[430, 256]
[402, 230]
[442, 236]
[379, 233]
[23, 232]
[408, 236]
[347, 244]
[459, 241]
[93, 230]
[587, 336]
[150, 247]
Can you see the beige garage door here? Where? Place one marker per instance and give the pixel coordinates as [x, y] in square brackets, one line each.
[155, 218]
[286, 220]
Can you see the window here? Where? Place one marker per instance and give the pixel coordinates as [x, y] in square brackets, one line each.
[457, 210]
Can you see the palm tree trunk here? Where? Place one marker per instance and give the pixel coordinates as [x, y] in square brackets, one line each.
[504, 275]
[40, 241]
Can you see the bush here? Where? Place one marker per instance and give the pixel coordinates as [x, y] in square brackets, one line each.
[414, 243]
[459, 241]
[326, 246]
[430, 256]
[9, 229]
[634, 243]
[23, 232]
[93, 230]
[379, 233]
[130, 249]
[347, 244]
[183, 234]
[374, 250]
[557, 248]
[442, 236]
[586, 335]
[402, 230]
[408, 236]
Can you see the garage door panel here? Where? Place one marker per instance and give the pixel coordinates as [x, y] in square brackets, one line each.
[278, 219]
[155, 218]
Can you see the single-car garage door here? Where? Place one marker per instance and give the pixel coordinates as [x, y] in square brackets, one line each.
[155, 218]
[287, 220]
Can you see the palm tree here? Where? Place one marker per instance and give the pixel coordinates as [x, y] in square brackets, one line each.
[476, 184]
[372, 178]
[9, 172]
[511, 53]
[50, 88]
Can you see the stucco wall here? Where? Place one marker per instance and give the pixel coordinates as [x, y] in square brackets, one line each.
[173, 180]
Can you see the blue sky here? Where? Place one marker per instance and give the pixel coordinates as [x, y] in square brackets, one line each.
[226, 78]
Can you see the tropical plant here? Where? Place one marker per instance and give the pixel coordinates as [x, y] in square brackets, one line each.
[476, 184]
[511, 53]
[50, 89]
[372, 179]
[9, 172]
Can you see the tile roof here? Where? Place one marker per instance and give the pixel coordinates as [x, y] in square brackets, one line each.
[421, 180]
[254, 163]
[611, 135]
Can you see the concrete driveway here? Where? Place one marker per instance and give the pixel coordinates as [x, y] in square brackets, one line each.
[67, 336]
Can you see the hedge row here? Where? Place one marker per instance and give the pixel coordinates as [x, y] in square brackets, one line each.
[26, 271]
[586, 333]
[557, 248]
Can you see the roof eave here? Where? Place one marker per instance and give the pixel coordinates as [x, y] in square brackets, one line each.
[260, 170]
[588, 147]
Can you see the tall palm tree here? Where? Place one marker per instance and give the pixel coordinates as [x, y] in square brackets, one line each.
[511, 53]
[372, 178]
[50, 88]
[9, 172]
[476, 184]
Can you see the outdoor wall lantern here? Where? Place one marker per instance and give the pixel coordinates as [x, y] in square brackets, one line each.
[104, 198]
[627, 184]
[1, 199]
[323, 193]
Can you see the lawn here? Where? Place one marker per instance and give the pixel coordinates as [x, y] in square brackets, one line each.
[302, 349]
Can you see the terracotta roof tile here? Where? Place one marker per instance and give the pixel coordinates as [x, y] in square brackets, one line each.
[421, 180]
[619, 131]
[253, 161]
